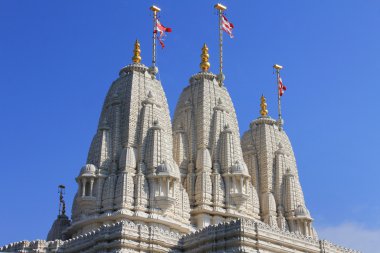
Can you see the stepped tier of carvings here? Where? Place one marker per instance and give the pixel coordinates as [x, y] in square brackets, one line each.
[207, 149]
[243, 235]
[271, 162]
[130, 171]
[247, 235]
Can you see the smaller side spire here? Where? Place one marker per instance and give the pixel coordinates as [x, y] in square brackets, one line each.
[205, 65]
[136, 53]
[263, 105]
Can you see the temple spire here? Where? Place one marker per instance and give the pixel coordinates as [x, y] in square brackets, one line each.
[263, 106]
[136, 53]
[205, 65]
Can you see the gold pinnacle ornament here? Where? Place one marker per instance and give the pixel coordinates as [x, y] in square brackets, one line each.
[205, 65]
[154, 8]
[136, 53]
[220, 6]
[263, 105]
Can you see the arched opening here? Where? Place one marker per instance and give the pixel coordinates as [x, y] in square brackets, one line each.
[88, 189]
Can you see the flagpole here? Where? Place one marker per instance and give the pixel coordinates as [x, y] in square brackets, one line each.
[220, 9]
[278, 68]
[155, 10]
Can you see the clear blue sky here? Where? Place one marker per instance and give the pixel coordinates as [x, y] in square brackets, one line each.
[58, 59]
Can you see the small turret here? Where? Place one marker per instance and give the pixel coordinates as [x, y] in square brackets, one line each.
[269, 212]
[180, 144]
[105, 148]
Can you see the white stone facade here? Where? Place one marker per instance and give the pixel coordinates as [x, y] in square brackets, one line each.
[208, 151]
[130, 172]
[272, 165]
[196, 188]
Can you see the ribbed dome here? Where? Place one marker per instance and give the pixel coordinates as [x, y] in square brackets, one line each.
[239, 167]
[56, 231]
[301, 211]
[167, 168]
[88, 170]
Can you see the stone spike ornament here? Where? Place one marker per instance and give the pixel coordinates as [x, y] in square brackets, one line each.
[205, 64]
[263, 105]
[137, 53]
[206, 128]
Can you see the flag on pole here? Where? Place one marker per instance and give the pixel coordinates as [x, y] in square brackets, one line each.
[160, 28]
[227, 26]
[281, 87]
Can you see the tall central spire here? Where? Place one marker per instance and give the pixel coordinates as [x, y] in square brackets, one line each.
[207, 149]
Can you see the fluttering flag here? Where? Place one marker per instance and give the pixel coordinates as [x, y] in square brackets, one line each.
[160, 28]
[281, 87]
[227, 26]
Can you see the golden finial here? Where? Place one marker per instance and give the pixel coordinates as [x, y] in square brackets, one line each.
[220, 7]
[155, 8]
[205, 65]
[136, 53]
[263, 105]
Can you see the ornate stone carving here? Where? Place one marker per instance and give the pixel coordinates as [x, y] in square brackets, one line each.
[219, 186]
[138, 194]
[269, 155]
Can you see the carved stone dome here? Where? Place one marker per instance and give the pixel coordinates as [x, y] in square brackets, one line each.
[166, 168]
[239, 168]
[88, 170]
[301, 211]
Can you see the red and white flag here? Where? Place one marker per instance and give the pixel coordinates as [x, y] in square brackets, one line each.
[160, 28]
[227, 26]
[281, 87]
